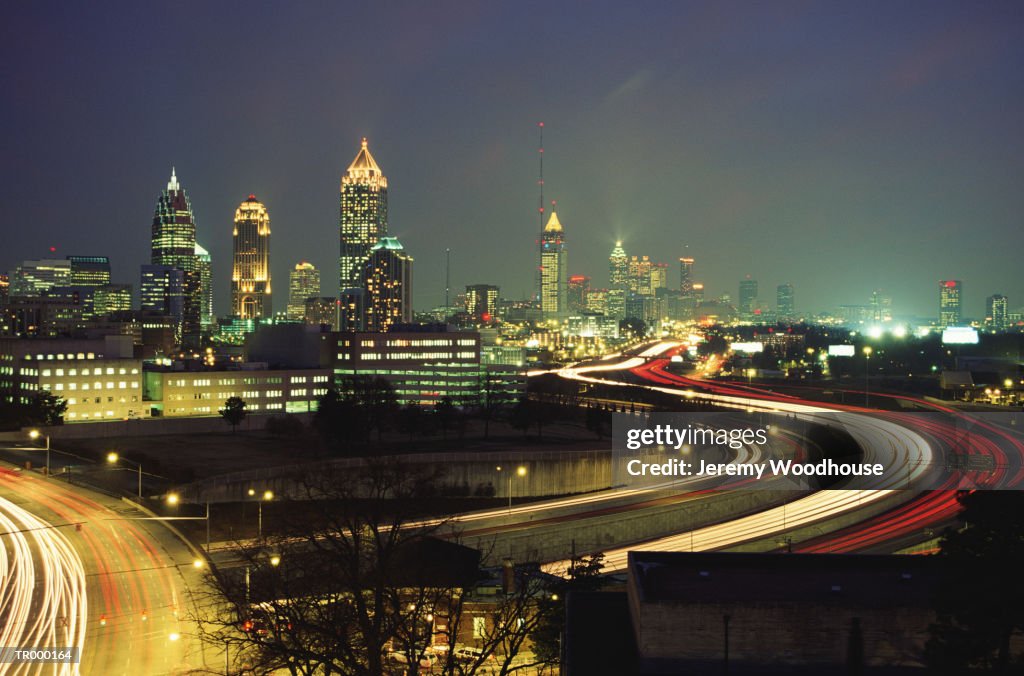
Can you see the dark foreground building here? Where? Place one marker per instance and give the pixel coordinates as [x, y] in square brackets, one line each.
[716, 614]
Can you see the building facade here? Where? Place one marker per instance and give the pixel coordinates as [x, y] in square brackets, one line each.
[950, 291]
[250, 266]
[303, 283]
[997, 312]
[553, 277]
[173, 244]
[388, 275]
[363, 216]
[175, 394]
[482, 302]
[747, 297]
[33, 277]
[423, 367]
[99, 379]
[204, 266]
[784, 307]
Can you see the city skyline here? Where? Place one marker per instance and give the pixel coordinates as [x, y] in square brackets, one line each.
[904, 156]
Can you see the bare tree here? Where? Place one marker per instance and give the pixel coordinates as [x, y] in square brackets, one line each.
[358, 583]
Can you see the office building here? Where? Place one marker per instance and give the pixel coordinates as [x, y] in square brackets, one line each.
[482, 302]
[423, 366]
[106, 300]
[303, 283]
[553, 277]
[363, 216]
[89, 271]
[173, 245]
[784, 307]
[576, 296]
[173, 393]
[162, 294]
[686, 276]
[33, 277]
[996, 312]
[204, 266]
[250, 267]
[388, 275]
[950, 291]
[100, 379]
[747, 297]
[321, 311]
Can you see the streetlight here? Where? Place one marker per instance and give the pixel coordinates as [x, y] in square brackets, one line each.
[113, 458]
[173, 499]
[867, 377]
[267, 495]
[35, 434]
[521, 472]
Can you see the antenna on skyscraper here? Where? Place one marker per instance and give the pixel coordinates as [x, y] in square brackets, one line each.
[447, 277]
[540, 205]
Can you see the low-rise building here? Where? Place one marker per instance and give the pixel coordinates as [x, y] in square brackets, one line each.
[100, 379]
[175, 392]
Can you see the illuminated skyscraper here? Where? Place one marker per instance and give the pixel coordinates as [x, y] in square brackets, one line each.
[748, 296]
[204, 266]
[33, 277]
[321, 311]
[162, 293]
[881, 306]
[482, 302]
[174, 245]
[250, 269]
[303, 283]
[89, 271]
[388, 275]
[686, 277]
[364, 216]
[618, 284]
[552, 268]
[996, 307]
[950, 291]
[579, 288]
[639, 277]
[784, 306]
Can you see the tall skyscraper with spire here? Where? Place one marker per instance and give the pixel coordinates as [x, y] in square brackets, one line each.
[618, 281]
[174, 246]
[363, 216]
[250, 268]
[553, 278]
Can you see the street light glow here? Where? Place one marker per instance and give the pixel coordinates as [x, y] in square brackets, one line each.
[268, 495]
[172, 498]
[112, 457]
[33, 434]
[521, 470]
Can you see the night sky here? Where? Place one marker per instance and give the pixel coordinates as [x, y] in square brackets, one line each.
[838, 146]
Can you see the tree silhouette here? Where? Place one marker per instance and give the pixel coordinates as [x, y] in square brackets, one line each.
[234, 412]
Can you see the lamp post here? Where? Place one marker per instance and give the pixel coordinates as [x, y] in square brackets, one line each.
[521, 472]
[867, 375]
[35, 434]
[267, 495]
[113, 458]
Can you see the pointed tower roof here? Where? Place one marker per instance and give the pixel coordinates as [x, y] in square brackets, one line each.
[172, 185]
[553, 224]
[364, 161]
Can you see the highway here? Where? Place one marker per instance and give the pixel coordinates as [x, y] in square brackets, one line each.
[922, 447]
[82, 569]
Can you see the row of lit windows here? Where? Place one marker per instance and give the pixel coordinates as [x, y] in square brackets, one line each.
[98, 385]
[98, 400]
[377, 356]
[85, 416]
[96, 372]
[61, 357]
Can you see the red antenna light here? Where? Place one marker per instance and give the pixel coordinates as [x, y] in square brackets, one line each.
[53, 249]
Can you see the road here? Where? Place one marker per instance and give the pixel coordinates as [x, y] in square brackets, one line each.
[91, 571]
[923, 447]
